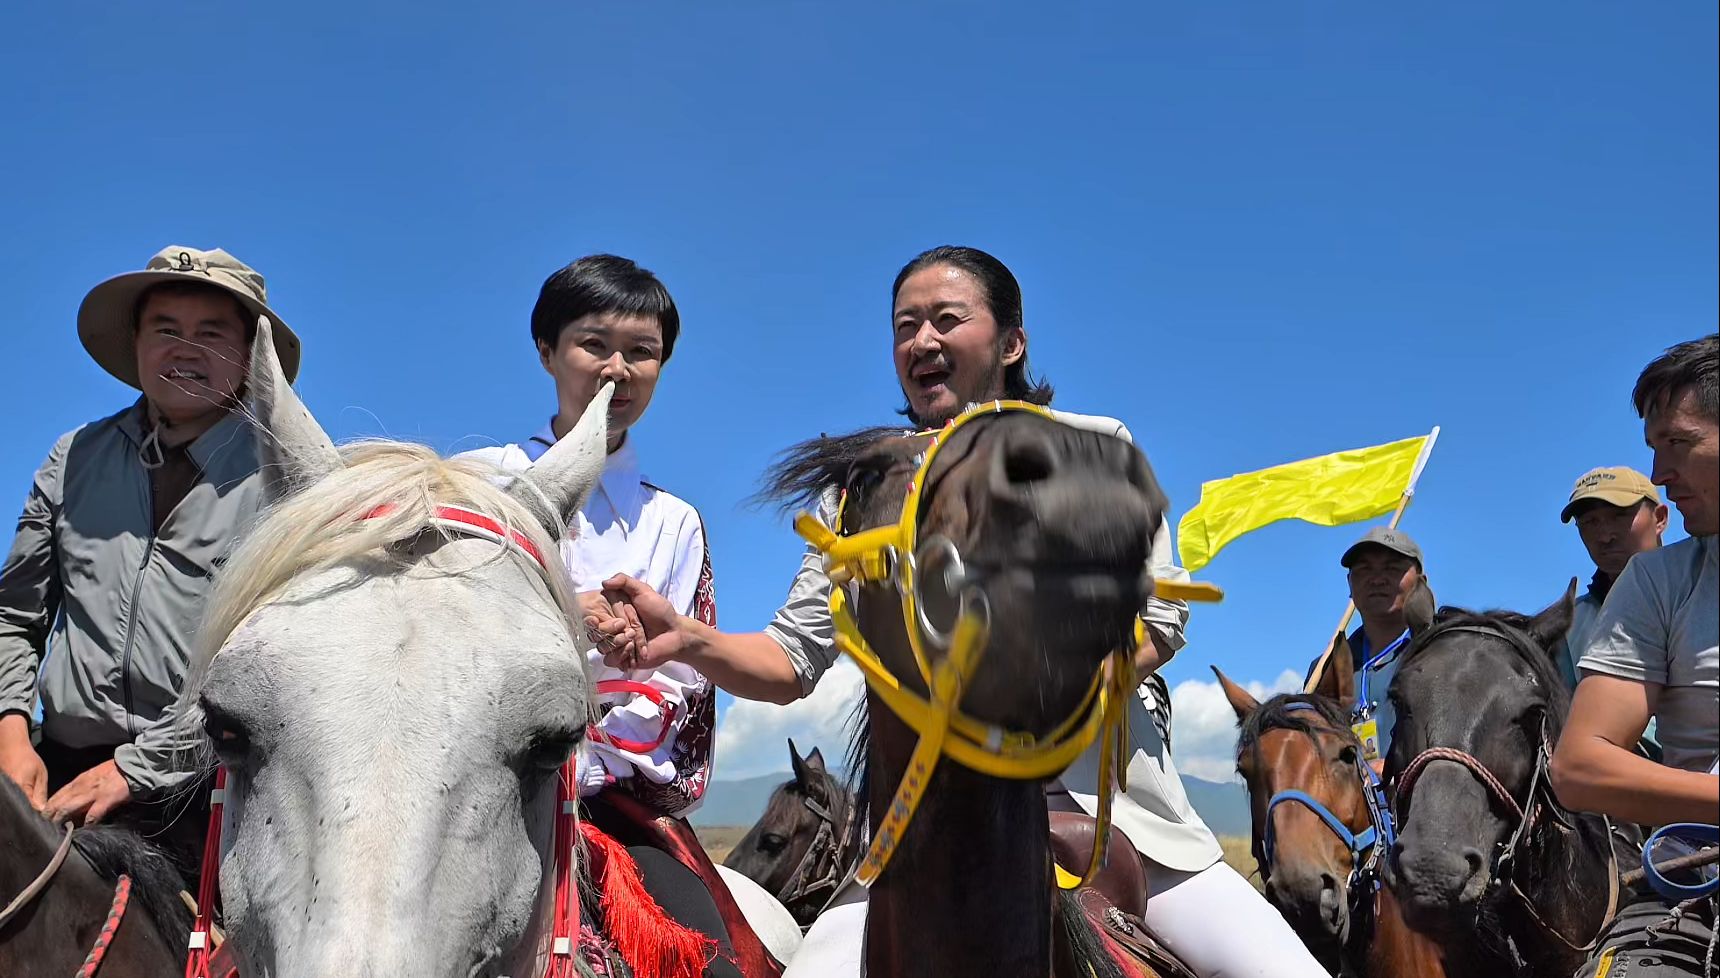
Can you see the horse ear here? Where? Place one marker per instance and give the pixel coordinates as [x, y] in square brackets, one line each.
[1548, 627]
[293, 451]
[556, 487]
[802, 773]
[809, 772]
[1240, 699]
[1418, 608]
[1338, 681]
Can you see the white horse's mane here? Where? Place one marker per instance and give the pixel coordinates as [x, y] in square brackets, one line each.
[332, 522]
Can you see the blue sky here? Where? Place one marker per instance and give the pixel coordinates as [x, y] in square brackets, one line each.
[1253, 231]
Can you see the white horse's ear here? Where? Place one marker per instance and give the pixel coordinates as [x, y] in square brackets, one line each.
[293, 451]
[557, 486]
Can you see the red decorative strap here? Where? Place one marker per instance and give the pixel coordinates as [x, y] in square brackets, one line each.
[200, 947]
[475, 523]
[628, 687]
[564, 922]
[116, 913]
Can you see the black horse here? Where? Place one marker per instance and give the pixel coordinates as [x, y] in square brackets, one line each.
[51, 934]
[800, 848]
[1488, 862]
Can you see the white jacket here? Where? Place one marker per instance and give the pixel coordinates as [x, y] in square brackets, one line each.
[631, 526]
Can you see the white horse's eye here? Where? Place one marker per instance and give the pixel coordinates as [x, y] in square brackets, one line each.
[549, 748]
[225, 732]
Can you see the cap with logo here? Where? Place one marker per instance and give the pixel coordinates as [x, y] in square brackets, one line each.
[1616, 486]
[1397, 541]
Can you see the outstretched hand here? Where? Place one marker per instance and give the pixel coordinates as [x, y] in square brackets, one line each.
[643, 630]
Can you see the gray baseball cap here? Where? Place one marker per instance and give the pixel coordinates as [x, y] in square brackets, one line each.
[1397, 541]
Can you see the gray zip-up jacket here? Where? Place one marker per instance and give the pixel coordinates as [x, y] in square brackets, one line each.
[107, 610]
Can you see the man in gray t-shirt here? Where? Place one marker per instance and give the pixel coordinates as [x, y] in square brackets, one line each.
[1654, 653]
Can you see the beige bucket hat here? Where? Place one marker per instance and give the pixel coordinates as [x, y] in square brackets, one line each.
[107, 319]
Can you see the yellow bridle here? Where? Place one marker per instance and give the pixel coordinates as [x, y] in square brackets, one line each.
[888, 554]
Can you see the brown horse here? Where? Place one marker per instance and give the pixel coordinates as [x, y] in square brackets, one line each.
[51, 934]
[1488, 862]
[1050, 526]
[800, 849]
[1300, 759]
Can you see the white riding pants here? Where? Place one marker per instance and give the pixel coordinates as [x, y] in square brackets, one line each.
[1198, 916]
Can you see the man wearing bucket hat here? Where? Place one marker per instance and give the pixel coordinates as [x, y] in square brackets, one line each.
[1619, 514]
[122, 532]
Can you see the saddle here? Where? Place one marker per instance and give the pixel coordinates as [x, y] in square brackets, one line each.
[1115, 901]
[632, 823]
[1121, 879]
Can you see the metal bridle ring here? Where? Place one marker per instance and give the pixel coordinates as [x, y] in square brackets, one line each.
[955, 581]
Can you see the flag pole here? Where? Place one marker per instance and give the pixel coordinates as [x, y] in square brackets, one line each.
[1397, 517]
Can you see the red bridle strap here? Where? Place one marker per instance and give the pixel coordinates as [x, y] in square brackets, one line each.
[468, 522]
[202, 944]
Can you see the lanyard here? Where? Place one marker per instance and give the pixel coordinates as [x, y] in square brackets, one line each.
[1370, 664]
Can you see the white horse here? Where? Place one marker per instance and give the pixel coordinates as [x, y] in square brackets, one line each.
[392, 693]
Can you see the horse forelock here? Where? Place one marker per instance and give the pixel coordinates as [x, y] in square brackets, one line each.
[386, 493]
[1289, 711]
[802, 473]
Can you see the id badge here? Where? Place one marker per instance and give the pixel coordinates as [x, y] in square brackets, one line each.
[1368, 733]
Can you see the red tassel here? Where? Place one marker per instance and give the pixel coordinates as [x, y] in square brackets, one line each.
[652, 944]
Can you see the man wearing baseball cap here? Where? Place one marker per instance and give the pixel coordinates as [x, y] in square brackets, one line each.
[122, 532]
[1385, 572]
[1619, 514]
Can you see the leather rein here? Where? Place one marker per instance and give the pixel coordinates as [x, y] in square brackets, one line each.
[116, 908]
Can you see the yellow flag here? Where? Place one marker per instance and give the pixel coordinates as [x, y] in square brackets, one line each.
[1331, 490]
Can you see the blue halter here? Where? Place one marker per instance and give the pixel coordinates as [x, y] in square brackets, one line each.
[1377, 837]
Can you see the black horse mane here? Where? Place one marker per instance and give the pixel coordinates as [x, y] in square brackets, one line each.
[1539, 660]
[156, 880]
[113, 852]
[802, 473]
[1280, 713]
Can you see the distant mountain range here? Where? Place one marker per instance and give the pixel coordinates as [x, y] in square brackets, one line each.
[1223, 806]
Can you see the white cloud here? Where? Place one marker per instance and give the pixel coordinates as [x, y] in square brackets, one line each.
[752, 736]
[1203, 738]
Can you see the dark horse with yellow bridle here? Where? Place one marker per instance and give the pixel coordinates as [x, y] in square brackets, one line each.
[987, 580]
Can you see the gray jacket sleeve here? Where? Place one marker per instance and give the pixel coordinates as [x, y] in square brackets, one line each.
[30, 586]
[802, 626]
[163, 757]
